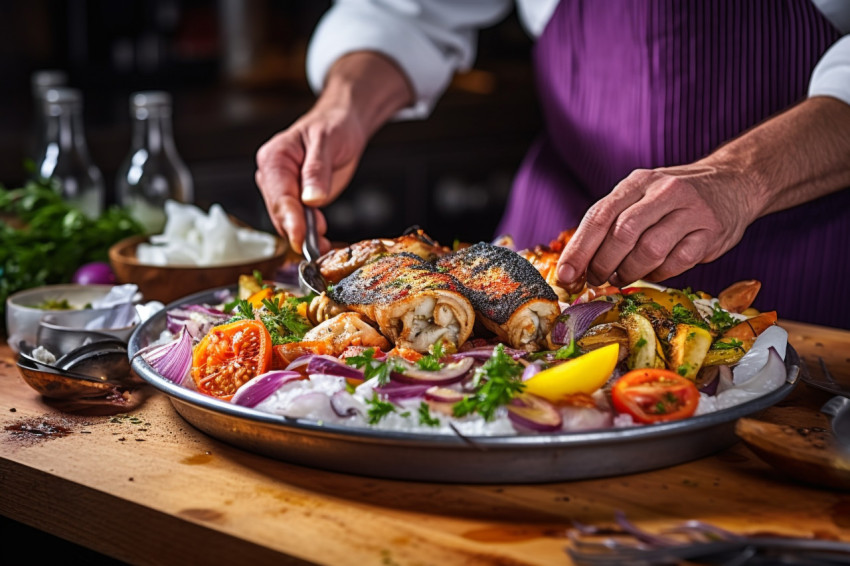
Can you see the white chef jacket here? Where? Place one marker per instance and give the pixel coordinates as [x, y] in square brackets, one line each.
[432, 39]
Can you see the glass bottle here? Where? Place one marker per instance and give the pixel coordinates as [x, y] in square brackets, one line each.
[153, 171]
[64, 157]
[40, 82]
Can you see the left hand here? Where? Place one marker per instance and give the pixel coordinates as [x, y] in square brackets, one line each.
[659, 223]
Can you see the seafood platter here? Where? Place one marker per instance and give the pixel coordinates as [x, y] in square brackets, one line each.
[466, 364]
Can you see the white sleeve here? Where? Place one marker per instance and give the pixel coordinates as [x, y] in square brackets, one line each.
[831, 76]
[428, 39]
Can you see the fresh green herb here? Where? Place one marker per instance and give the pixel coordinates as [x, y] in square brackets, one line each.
[496, 383]
[44, 240]
[568, 351]
[244, 310]
[721, 320]
[432, 362]
[631, 303]
[425, 417]
[682, 315]
[683, 369]
[378, 409]
[732, 344]
[283, 321]
[374, 368]
[258, 276]
[54, 305]
[641, 342]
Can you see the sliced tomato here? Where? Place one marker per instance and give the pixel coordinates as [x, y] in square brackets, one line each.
[285, 354]
[652, 395]
[229, 356]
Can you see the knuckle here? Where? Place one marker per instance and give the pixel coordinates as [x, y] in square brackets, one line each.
[626, 229]
[654, 250]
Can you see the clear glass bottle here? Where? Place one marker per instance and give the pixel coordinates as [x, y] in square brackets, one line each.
[65, 157]
[153, 171]
[40, 82]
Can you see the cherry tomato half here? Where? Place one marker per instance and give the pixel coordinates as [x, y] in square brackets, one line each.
[653, 395]
[230, 355]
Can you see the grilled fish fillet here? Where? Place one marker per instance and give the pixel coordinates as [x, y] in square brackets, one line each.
[342, 262]
[344, 330]
[510, 297]
[413, 304]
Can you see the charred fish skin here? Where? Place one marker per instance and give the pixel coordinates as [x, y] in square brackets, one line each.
[391, 278]
[497, 281]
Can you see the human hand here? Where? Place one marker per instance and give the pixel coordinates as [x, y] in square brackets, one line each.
[659, 223]
[309, 163]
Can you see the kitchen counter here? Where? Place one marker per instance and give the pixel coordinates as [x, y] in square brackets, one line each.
[148, 488]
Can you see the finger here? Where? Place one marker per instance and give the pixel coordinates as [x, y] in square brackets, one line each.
[654, 246]
[687, 253]
[594, 227]
[624, 237]
[316, 171]
[277, 178]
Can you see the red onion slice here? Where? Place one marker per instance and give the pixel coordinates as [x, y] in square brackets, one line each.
[172, 360]
[259, 388]
[443, 395]
[530, 412]
[450, 373]
[531, 370]
[394, 391]
[576, 319]
[344, 405]
[328, 365]
[485, 352]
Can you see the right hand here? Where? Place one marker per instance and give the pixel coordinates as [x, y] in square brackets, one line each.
[311, 162]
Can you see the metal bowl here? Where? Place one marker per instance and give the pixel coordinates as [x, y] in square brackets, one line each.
[455, 459]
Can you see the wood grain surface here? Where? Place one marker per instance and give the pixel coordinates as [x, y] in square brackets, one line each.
[157, 491]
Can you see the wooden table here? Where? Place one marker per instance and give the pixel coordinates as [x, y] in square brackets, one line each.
[147, 488]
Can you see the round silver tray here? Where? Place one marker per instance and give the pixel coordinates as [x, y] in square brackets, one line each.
[448, 458]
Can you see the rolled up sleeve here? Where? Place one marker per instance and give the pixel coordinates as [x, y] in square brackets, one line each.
[428, 39]
[831, 76]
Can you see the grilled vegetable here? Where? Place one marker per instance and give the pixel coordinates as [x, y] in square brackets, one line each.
[688, 347]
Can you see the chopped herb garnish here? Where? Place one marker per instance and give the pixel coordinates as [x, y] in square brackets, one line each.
[640, 343]
[378, 409]
[683, 369]
[374, 368]
[568, 351]
[721, 320]
[682, 315]
[283, 321]
[496, 383]
[425, 417]
[432, 362]
[732, 344]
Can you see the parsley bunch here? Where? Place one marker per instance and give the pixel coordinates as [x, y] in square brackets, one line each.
[44, 240]
[496, 383]
[283, 321]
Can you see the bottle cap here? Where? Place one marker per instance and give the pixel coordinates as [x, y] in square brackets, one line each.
[149, 98]
[55, 99]
[48, 78]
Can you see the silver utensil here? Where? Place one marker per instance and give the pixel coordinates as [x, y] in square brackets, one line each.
[828, 383]
[309, 277]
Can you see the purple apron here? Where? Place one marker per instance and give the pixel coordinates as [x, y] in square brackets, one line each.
[627, 84]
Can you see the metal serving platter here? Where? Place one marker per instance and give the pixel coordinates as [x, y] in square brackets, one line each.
[448, 458]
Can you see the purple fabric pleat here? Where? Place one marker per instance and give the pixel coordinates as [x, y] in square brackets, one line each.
[628, 84]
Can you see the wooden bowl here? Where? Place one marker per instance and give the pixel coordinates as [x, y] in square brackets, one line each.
[167, 283]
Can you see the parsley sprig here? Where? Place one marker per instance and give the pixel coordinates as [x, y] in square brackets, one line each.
[282, 320]
[425, 417]
[378, 409]
[732, 344]
[721, 320]
[374, 368]
[496, 383]
[432, 362]
[683, 315]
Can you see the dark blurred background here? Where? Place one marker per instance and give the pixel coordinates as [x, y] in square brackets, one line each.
[236, 73]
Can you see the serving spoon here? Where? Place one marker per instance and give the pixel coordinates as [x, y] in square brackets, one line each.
[310, 279]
